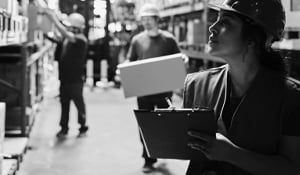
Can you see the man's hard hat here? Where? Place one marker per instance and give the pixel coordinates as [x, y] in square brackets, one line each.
[76, 20]
[269, 14]
[149, 10]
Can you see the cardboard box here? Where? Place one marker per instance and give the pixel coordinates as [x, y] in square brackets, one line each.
[32, 21]
[153, 75]
[44, 24]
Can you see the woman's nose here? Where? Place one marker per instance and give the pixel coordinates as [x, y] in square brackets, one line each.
[212, 29]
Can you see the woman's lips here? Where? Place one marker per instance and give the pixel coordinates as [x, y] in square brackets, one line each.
[212, 41]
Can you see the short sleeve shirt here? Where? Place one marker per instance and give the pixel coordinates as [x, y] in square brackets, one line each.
[144, 46]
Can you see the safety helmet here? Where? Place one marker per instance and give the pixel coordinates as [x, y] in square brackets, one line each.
[76, 20]
[149, 10]
[269, 14]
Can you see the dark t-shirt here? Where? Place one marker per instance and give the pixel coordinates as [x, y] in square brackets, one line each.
[72, 62]
[143, 46]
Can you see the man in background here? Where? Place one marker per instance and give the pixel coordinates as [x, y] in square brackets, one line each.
[71, 69]
[152, 42]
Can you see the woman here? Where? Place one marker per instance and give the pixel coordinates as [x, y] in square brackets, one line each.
[257, 107]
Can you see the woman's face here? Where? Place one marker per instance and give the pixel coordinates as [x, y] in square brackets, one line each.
[226, 39]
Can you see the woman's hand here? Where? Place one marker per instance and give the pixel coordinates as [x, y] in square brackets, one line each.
[214, 148]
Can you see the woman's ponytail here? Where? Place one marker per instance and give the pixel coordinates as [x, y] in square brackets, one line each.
[273, 60]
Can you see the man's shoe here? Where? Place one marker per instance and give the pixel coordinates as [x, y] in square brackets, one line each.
[82, 131]
[148, 168]
[62, 133]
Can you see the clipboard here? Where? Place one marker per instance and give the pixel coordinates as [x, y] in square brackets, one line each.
[164, 131]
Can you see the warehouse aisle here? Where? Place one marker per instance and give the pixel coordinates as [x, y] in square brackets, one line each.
[112, 146]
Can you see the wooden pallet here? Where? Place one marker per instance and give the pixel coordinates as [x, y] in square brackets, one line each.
[16, 147]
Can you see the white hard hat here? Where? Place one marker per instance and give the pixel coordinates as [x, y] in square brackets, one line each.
[76, 20]
[149, 10]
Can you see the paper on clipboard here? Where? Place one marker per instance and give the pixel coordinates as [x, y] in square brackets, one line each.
[153, 75]
[165, 132]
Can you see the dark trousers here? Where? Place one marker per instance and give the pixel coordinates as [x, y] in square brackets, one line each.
[150, 102]
[68, 92]
[96, 70]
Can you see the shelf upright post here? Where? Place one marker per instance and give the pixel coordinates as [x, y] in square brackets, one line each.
[24, 91]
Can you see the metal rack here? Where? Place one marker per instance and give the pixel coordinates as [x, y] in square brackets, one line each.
[21, 81]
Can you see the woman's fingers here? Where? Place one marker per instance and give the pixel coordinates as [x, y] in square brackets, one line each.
[203, 137]
[199, 147]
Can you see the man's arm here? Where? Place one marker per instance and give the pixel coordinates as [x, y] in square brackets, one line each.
[61, 28]
[52, 39]
[132, 52]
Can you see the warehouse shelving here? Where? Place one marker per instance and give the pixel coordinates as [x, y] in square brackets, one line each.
[22, 80]
[13, 29]
[24, 56]
[182, 8]
[21, 74]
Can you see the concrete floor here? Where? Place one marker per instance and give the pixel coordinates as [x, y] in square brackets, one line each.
[112, 146]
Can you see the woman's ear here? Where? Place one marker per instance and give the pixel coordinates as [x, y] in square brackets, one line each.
[251, 44]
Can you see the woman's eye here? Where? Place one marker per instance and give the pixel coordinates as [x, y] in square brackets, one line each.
[224, 22]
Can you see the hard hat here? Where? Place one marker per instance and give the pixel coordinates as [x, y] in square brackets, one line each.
[269, 14]
[76, 20]
[149, 10]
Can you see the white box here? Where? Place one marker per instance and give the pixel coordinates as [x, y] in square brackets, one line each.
[153, 75]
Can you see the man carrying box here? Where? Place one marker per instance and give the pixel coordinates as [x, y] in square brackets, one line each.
[152, 42]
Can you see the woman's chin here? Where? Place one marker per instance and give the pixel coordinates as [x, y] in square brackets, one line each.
[212, 52]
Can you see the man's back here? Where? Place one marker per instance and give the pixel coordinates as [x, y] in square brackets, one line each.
[72, 62]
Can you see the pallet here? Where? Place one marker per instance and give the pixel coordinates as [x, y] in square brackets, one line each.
[9, 166]
[16, 147]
